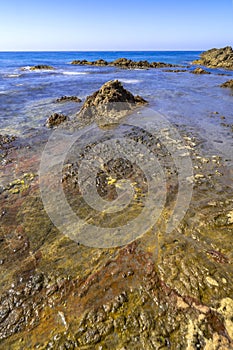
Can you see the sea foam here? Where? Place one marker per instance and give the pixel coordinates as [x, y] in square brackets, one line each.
[75, 73]
[130, 81]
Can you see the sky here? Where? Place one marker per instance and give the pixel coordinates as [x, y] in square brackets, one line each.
[96, 25]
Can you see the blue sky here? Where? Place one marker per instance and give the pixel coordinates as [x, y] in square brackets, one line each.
[115, 25]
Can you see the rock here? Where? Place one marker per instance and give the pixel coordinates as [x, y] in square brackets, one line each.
[217, 58]
[111, 101]
[175, 70]
[39, 67]
[227, 84]
[69, 98]
[124, 63]
[100, 62]
[55, 120]
[199, 71]
[42, 67]
[6, 139]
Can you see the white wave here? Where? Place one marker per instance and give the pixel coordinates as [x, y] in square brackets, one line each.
[130, 81]
[13, 75]
[74, 73]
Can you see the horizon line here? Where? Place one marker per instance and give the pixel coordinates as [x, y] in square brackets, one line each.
[165, 50]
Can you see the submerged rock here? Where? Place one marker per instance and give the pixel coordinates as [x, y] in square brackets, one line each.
[217, 58]
[227, 84]
[124, 63]
[6, 139]
[111, 101]
[69, 98]
[175, 70]
[200, 71]
[55, 120]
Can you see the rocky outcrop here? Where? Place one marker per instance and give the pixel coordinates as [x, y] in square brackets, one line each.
[228, 84]
[68, 99]
[55, 120]
[199, 71]
[39, 67]
[112, 101]
[175, 70]
[217, 58]
[124, 63]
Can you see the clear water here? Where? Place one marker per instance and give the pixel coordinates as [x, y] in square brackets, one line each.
[27, 98]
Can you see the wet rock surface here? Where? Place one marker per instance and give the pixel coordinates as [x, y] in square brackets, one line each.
[68, 99]
[217, 58]
[55, 120]
[6, 144]
[124, 63]
[162, 291]
[111, 102]
[228, 84]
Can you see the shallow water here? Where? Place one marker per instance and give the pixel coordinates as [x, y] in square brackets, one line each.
[27, 98]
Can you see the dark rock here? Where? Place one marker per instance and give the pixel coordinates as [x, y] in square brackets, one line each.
[39, 67]
[199, 71]
[124, 63]
[175, 70]
[111, 101]
[100, 62]
[55, 120]
[217, 58]
[227, 84]
[6, 139]
[69, 98]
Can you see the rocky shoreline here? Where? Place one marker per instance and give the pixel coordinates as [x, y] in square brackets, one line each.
[162, 291]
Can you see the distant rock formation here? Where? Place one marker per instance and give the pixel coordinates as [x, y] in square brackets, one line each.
[199, 71]
[123, 63]
[228, 84]
[55, 120]
[217, 58]
[39, 67]
[68, 99]
[111, 102]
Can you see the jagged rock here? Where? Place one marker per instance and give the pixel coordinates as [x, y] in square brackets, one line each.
[200, 71]
[111, 102]
[124, 63]
[217, 58]
[100, 62]
[69, 98]
[228, 84]
[39, 67]
[55, 120]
